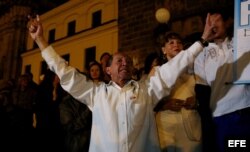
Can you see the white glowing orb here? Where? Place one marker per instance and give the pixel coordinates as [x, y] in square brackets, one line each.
[162, 15]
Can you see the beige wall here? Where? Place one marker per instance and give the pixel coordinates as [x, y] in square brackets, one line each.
[104, 38]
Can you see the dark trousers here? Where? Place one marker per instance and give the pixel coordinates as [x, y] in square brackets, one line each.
[235, 125]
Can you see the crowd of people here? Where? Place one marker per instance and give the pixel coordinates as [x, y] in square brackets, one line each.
[179, 103]
[43, 116]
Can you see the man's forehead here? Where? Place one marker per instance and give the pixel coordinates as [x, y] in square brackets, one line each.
[215, 16]
[121, 55]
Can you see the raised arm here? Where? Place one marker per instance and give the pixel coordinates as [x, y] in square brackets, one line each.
[70, 79]
[165, 76]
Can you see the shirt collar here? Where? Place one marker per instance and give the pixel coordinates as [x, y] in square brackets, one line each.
[130, 83]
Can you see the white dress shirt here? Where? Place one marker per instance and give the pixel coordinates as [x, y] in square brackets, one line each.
[123, 118]
[214, 67]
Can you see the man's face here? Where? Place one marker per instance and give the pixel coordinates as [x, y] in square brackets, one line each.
[121, 67]
[219, 25]
[24, 82]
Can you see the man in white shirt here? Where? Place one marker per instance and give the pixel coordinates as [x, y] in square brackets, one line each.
[229, 103]
[123, 118]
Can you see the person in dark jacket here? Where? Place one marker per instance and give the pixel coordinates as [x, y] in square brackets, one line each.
[76, 119]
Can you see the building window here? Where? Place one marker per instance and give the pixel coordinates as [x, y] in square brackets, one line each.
[66, 57]
[90, 54]
[28, 68]
[96, 18]
[71, 28]
[35, 45]
[52, 35]
[44, 67]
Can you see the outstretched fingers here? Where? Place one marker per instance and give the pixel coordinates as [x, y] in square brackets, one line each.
[37, 18]
[207, 29]
[34, 23]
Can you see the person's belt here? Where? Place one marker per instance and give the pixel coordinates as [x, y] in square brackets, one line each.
[176, 104]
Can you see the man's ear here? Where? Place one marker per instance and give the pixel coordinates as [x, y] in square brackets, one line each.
[108, 70]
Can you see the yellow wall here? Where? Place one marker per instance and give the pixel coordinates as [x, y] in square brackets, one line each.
[104, 38]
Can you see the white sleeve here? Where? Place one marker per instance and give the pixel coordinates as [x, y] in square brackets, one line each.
[165, 76]
[71, 80]
[199, 69]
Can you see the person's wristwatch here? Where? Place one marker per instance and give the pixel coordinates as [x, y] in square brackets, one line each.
[203, 42]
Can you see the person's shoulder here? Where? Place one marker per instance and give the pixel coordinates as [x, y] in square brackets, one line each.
[143, 83]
